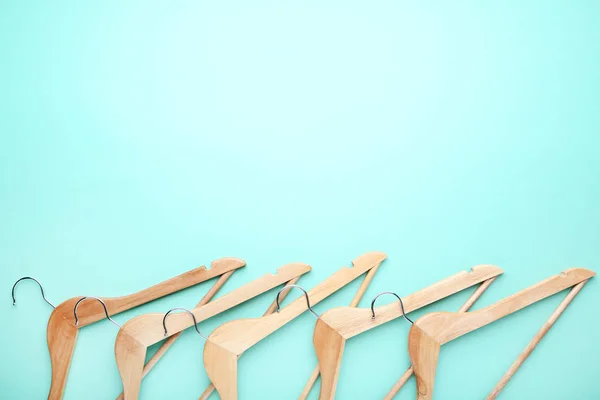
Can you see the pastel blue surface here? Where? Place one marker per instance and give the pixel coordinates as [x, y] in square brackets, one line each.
[142, 139]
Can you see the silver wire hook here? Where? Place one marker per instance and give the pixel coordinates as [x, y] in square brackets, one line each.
[187, 311]
[305, 295]
[41, 289]
[401, 306]
[101, 302]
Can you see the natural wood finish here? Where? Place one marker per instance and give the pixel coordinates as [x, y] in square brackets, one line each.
[534, 342]
[211, 388]
[433, 330]
[464, 308]
[62, 331]
[143, 331]
[230, 340]
[340, 324]
[166, 345]
[354, 303]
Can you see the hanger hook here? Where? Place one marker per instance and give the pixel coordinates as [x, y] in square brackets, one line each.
[187, 311]
[101, 302]
[41, 289]
[401, 306]
[305, 295]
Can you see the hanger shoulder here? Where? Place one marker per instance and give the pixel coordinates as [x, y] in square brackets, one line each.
[92, 311]
[61, 337]
[424, 352]
[350, 321]
[329, 347]
[222, 370]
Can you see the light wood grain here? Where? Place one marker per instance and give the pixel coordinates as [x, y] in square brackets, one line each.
[464, 308]
[339, 324]
[433, 330]
[230, 340]
[62, 331]
[211, 388]
[354, 303]
[535, 341]
[140, 332]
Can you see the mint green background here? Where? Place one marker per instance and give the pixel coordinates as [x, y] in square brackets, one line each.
[140, 140]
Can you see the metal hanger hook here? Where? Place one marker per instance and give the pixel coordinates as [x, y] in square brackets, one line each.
[187, 311]
[401, 306]
[36, 281]
[101, 302]
[305, 295]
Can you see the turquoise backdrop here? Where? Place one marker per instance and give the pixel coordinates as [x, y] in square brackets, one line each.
[141, 139]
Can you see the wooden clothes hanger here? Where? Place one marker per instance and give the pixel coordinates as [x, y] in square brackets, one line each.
[342, 323]
[231, 339]
[354, 303]
[273, 307]
[431, 331]
[62, 327]
[464, 308]
[137, 334]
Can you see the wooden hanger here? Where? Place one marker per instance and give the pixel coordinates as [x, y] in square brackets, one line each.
[464, 308]
[137, 334]
[431, 331]
[340, 324]
[62, 330]
[231, 339]
[270, 310]
[166, 345]
[354, 303]
[535, 341]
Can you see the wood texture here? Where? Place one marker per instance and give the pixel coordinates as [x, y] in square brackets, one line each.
[339, 324]
[354, 303]
[211, 388]
[535, 341]
[464, 308]
[166, 345]
[433, 330]
[62, 331]
[230, 340]
[139, 333]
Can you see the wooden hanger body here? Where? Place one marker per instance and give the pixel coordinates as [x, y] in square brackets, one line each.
[230, 340]
[464, 308]
[342, 323]
[433, 330]
[139, 333]
[354, 303]
[62, 331]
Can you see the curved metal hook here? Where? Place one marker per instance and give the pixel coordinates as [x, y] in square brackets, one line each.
[187, 311]
[101, 302]
[41, 289]
[305, 295]
[401, 306]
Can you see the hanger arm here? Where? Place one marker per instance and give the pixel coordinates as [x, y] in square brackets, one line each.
[91, 311]
[350, 322]
[433, 330]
